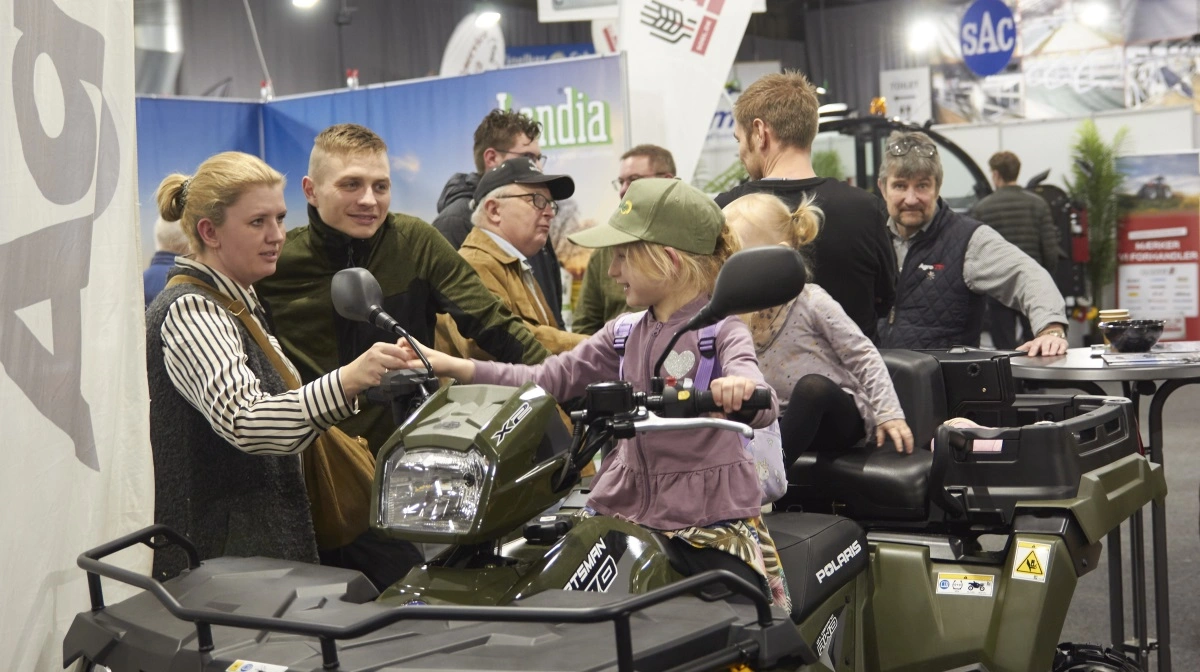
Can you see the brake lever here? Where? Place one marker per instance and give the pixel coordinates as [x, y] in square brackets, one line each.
[654, 423]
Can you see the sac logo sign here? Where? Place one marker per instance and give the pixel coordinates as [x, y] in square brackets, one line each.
[988, 36]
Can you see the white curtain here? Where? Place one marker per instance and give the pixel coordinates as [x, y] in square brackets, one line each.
[76, 459]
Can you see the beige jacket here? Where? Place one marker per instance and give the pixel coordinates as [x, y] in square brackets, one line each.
[501, 274]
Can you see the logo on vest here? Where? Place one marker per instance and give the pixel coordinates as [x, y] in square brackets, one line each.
[931, 270]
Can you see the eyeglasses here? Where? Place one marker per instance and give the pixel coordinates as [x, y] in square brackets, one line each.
[538, 201]
[626, 181]
[905, 146]
[539, 159]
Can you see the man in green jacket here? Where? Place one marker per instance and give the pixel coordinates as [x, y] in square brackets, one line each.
[348, 188]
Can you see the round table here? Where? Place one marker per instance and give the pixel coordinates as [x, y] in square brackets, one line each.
[1084, 369]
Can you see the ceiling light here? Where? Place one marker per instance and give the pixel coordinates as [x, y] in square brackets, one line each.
[1093, 14]
[304, 4]
[485, 20]
[921, 35]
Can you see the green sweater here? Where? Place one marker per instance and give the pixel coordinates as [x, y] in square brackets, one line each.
[421, 275]
[600, 297]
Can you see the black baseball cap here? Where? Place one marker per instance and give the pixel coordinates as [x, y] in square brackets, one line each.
[522, 170]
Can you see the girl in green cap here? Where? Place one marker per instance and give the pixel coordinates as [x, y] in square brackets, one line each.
[701, 488]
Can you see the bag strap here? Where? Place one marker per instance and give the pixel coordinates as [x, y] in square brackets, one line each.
[621, 337]
[708, 356]
[240, 310]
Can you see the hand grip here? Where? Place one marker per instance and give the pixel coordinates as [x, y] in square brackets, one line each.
[758, 401]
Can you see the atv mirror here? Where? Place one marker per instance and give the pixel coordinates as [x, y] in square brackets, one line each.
[356, 294]
[753, 280]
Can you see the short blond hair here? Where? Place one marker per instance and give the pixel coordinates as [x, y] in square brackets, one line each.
[786, 102]
[343, 140]
[696, 272]
[218, 183]
[170, 237]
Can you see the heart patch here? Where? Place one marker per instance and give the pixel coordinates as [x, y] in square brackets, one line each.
[679, 364]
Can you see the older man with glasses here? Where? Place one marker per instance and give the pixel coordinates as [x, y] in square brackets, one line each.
[513, 206]
[949, 262]
[502, 135]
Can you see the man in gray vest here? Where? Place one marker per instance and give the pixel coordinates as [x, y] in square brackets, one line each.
[1022, 218]
[949, 262]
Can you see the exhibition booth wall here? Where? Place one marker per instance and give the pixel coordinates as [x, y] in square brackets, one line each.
[428, 125]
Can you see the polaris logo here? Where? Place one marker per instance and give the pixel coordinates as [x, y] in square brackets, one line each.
[838, 562]
[826, 635]
[511, 423]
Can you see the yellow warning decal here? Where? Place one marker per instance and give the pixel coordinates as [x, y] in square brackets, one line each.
[1032, 561]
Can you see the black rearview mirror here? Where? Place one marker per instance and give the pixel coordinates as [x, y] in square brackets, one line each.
[356, 294]
[752, 280]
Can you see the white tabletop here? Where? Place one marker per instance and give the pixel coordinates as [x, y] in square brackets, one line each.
[1081, 364]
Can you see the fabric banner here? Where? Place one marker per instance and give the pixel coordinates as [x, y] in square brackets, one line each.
[678, 53]
[77, 466]
[578, 101]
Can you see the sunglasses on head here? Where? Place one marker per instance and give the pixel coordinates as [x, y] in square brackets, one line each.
[903, 147]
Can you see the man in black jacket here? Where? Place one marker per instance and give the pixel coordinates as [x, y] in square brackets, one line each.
[1023, 219]
[501, 135]
[775, 121]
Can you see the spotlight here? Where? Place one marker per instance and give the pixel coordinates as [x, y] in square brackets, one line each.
[485, 20]
[1093, 14]
[304, 4]
[921, 35]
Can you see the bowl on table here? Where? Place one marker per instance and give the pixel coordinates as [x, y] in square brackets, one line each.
[1132, 335]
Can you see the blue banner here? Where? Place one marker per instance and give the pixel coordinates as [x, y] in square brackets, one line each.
[175, 135]
[546, 52]
[429, 127]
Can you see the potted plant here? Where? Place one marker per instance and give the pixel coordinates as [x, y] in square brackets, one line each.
[828, 163]
[1095, 183]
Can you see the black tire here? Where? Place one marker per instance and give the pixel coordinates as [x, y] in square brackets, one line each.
[1091, 658]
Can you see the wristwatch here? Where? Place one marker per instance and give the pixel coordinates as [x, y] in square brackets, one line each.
[1054, 332]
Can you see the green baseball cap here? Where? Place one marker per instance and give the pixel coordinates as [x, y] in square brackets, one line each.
[659, 210]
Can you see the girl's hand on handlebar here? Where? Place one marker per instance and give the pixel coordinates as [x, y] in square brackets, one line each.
[443, 365]
[729, 392]
[898, 431]
[368, 369]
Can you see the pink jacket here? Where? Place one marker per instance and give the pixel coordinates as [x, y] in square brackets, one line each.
[668, 480]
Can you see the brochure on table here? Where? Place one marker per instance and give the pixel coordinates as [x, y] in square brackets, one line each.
[1162, 354]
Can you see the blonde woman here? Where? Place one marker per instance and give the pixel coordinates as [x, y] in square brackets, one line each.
[810, 351]
[224, 428]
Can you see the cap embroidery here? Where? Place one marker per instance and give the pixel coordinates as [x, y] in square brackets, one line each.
[626, 207]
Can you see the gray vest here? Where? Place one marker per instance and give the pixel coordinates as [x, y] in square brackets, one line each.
[226, 501]
[934, 307]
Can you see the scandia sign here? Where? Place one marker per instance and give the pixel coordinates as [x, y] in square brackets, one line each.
[988, 36]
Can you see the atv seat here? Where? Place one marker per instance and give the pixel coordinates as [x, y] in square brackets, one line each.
[886, 485]
[819, 554]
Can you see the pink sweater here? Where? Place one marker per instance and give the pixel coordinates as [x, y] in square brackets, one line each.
[667, 480]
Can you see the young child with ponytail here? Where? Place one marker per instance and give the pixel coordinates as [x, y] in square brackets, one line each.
[838, 387]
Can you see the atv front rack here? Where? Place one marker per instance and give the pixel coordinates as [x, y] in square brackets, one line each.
[618, 612]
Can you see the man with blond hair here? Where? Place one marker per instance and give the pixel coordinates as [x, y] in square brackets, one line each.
[169, 242]
[600, 297]
[514, 203]
[775, 122]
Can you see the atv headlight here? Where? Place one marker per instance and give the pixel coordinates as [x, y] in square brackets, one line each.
[432, 490]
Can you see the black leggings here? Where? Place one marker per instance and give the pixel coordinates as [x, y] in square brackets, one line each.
[819, 414]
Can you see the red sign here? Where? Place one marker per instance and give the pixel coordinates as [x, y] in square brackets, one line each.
[1158, 255]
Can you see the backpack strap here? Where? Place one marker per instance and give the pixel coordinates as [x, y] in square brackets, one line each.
[621, 337]
[708, 356]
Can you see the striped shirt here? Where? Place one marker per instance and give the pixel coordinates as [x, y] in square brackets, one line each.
[205, 360]
[995, 267]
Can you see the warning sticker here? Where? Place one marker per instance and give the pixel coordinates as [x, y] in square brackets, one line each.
[1033, 561]
[251, 666]
[977, 585]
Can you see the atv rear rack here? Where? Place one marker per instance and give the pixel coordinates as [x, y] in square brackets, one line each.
[618, 612]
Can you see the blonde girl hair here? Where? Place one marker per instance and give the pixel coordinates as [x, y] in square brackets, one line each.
[769, 216]
[217, 184]
[696, 272]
